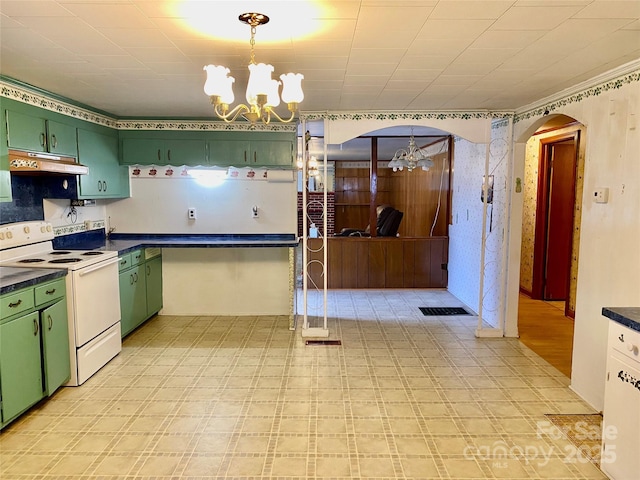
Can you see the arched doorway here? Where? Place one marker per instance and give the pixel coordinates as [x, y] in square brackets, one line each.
[552, 188]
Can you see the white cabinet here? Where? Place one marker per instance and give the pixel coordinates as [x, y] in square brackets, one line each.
[621, 414]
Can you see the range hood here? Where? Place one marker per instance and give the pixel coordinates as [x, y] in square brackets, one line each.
[44, 163]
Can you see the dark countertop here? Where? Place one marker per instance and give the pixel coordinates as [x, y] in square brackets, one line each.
[16, 278]
[627, 316]
[124, 242]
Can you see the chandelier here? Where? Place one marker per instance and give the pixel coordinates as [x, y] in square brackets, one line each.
[410, 158]
[262, 91]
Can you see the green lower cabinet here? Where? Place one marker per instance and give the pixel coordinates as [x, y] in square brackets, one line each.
[20, 365]
[133, 302]
[153, 270]
[55, 346]
[140, 289]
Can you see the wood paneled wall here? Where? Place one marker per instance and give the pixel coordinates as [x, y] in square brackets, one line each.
[381, 262]
[415, 193]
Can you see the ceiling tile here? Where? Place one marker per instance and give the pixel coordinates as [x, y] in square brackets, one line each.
[453, 29]
[507, 38]
[546, 17]
[136, 37]
[470, 9]
[610, 9]
[34, 8]
[109, 15]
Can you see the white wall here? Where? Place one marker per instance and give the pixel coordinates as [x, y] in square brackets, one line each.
[609, 260]
[159, 205]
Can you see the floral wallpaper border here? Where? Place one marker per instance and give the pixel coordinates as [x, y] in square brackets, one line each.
[433, 115]
[25, 95]
[577, 97]
[77, 227]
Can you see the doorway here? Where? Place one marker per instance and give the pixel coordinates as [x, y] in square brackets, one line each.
[552, 193]
[555, 218]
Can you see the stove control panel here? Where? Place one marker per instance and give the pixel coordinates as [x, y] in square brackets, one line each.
[24, 233]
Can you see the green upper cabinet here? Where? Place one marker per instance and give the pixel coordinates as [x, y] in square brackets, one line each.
[237, 149]
[106, 178]
[150, 151]
[36, 134]
[254, 149]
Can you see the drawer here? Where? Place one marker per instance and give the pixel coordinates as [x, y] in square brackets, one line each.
[137, 257]
[125, 262]
[18, 302]
[50, 291]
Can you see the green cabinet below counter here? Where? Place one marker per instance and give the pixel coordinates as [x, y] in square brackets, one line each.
[34, 346]
[140, 287]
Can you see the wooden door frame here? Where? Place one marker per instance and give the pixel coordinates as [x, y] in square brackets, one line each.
[542, 211]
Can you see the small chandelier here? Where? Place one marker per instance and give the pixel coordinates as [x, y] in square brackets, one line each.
[410, 158]
[262, 91]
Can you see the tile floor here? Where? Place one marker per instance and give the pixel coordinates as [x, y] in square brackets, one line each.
[405, 396]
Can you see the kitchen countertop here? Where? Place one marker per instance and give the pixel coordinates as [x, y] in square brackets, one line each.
[627, 316]
[16, 278]
[123, 242]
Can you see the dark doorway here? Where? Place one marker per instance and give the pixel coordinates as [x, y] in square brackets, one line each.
[554, 217]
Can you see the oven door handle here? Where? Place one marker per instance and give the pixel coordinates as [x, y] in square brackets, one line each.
[88, 270]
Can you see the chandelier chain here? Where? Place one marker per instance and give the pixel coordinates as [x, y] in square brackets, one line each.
[252, 42]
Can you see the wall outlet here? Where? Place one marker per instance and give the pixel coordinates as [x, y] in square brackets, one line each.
[601, 195]
[191, 213]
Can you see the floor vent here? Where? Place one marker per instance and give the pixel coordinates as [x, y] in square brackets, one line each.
[433, 311]
[323, 342]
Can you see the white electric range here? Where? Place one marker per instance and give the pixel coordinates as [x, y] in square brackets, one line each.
[93, 296]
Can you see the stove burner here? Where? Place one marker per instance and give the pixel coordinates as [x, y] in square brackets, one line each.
[60, 252]
[31, 260]
[92, 253]
[65, 260]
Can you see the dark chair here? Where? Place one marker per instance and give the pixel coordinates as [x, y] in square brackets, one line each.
[387, 222]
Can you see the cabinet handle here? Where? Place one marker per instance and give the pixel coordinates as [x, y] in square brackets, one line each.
[245, 156]
[99, 185]
[158, 154]
[123, 262]
[14, 305]
[135, 276]
[148, 270]
[104, 185]
[43, 139]
[54, 141]
[50, 292]
[169, 155]
[255, 157]
[36, 328]
[50, 321]
[131, 279]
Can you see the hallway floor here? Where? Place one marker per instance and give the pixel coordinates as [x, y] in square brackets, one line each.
[405, 396]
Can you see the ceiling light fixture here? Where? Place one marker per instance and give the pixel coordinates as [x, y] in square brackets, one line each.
[262, 91]
[410, 157]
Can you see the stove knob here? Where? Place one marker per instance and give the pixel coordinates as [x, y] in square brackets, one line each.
[1, 235]
[631, 347]
[43, 229]
[26, 230]
[48, 228]
[9, 235]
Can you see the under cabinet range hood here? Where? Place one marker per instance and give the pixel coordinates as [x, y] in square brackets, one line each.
[44, 163]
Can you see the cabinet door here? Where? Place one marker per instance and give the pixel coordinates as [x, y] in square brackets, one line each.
[5, 180]
[142, 151]
[62, 139]
[235, 153]
[185, 152]
[133, 301]
[25, 132]
[20, 365]
[272, 153]
[154, 285]
[55, 346]
[106, 177]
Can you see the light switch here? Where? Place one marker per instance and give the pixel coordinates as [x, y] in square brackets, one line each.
[601, 195]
